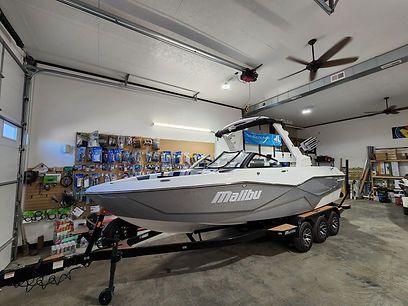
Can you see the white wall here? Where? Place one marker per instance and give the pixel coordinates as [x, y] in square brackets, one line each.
[62, 107]
[349, 139]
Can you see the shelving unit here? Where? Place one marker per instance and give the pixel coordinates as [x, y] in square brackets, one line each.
[392, 161]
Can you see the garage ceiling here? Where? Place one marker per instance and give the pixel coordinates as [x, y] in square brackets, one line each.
[349, 99]
[249, 32]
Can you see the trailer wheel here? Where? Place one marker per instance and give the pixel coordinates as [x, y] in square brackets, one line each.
[303, 242]
[334, 223]
[105, 297]
[320, 229]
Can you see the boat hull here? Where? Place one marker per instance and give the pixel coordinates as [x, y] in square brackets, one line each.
[185, 209]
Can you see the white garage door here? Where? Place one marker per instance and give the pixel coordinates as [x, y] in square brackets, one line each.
[11, 101]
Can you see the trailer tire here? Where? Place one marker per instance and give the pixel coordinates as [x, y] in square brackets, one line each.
[304, 240]
[320, 229]
[105, 297]
[334, 223]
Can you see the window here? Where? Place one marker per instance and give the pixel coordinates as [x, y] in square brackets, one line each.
[229, 160]
[261, 161]
[237, 161]
[223, 159]
[9, 131]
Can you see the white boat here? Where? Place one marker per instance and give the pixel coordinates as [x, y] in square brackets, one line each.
[237, 187]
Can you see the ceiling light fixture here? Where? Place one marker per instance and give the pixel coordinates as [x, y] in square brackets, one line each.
[296, 97]
[226, 86]
[392, 64]
[306, 111]
[182, 127]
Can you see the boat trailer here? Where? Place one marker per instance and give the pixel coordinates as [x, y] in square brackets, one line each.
[315, 225]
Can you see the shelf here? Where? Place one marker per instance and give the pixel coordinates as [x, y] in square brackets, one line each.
[389, 160]
[390, 177]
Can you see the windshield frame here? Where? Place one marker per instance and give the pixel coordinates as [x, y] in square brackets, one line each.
[225, 166]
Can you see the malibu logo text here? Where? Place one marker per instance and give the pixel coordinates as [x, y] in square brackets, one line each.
[229, 196]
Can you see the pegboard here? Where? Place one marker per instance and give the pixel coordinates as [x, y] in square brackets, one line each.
[37, 198]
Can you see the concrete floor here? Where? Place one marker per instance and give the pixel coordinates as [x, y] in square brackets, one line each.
[366, 264]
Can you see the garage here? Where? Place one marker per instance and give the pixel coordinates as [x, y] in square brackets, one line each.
[203, 152]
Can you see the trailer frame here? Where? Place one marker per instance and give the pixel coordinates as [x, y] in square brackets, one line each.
[32, 275]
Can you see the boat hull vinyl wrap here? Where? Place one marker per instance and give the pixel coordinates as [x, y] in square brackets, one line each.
[180, 209]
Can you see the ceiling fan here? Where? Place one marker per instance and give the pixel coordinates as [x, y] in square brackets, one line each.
[323, 61]
[389, 110]
[249, 75]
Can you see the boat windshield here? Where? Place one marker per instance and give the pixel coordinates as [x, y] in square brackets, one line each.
[229, 160]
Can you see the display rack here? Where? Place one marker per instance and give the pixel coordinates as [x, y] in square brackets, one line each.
[41, 202]
[125, 156]
[387, 168]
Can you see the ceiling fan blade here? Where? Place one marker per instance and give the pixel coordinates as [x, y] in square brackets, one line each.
[392, 107]
[336, 48]
[338, 62]
[401, 108]
[292, 74]
[259, 66]
[373, 112]
[297, 60]
[312, 75]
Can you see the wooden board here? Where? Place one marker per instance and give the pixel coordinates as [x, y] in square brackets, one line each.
[187, 146]
[282, 228]
[315, 211]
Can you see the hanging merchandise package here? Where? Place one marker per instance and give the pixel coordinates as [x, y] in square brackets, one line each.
[93, 139]
[149, 156]
[125, 156]
[111, 156]
[186, 158]
[177, 157]
[166, 157]
[79, 178]
[112, 141]
[137, 143]
[97, 154]
[105, 155]
[118, 155]
[80, 154]
[156, 144]
[103, 140]
[82, 140]
[148, 142]
[155, 157]
[121, 141]
[137, 156]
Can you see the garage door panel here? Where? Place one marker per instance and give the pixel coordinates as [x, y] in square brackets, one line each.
[11, 91]
[7, 204]
[9, 156]
[5, 256]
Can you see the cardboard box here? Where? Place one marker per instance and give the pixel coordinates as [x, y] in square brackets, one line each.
[381, 156]
[392, 154]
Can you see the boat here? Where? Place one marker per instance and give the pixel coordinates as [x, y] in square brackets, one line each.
[236, 188]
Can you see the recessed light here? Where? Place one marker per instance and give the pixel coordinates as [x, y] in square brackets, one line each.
[226, 86]
[306, 111]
